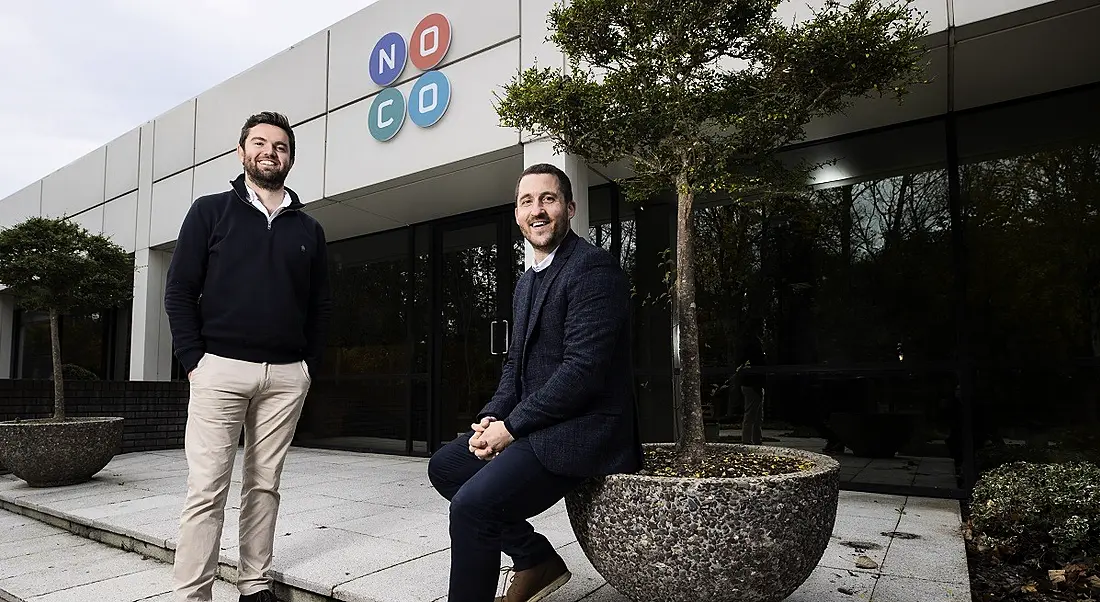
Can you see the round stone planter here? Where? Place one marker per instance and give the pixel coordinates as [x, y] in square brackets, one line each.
[708, 540]
[45, 453]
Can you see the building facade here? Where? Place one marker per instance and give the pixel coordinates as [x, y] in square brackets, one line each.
[937, 295]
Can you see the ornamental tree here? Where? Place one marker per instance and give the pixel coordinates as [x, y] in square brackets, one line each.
[57, 266]
[699, 96]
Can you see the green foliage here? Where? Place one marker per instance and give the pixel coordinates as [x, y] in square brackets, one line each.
[710, 88]
[1038, 512]
[74, 372]
[700, 96]
[54, 264]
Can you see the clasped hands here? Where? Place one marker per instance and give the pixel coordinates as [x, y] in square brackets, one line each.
[490, 438]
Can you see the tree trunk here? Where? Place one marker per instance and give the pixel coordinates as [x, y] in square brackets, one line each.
[58, 383]
[691, 445]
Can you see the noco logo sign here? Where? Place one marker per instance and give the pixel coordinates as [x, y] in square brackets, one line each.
[431, 92]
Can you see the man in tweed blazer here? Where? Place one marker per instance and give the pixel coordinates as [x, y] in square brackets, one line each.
[564, 409]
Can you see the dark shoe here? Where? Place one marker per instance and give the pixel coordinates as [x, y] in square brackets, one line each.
[260, 596]
[537, 582]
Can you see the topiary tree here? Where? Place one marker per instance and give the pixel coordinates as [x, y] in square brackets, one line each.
[699, 96]
[57, 266]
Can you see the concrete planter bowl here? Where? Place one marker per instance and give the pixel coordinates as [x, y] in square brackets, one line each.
[708, 540]
[45, 453]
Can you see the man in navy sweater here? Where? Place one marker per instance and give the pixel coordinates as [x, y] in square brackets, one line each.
[248, 303]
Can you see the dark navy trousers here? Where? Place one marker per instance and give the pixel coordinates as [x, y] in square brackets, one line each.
[491, 503]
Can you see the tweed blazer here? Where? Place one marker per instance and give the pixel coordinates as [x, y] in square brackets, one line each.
[567, 383]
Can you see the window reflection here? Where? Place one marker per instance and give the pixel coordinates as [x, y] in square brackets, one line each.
[842, 304]
[1032, 226]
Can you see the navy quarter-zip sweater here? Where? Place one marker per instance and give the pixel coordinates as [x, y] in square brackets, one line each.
[243, 288]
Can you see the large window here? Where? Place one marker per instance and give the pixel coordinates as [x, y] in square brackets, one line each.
[843, 301]
[360, 400]
[1032, 223]
[93, 346]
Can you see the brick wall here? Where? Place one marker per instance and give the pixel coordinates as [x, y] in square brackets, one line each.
[155, 412]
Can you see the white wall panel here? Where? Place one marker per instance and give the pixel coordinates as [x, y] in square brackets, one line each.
[291, 82]
[120, 221]
[214, 176]
[21, 205]
[469, 128]
[307, 177]
[969, 11]
[352, 40]
[145, 186]
[174, 140]
[91, 220]
[75, 187]
[122, 164]
[171, 199]
[935, 11]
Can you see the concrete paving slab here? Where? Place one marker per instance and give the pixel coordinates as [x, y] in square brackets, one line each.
[372, 528]
[901, 589]
[854, 537]
[57, 566]
[929, 543]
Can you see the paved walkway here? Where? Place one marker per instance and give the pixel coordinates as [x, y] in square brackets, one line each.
[362, 527]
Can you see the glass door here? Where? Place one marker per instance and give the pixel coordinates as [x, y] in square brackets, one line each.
[476, 264]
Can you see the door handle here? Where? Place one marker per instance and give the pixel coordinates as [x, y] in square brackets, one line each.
[493, 337]
[507, 336]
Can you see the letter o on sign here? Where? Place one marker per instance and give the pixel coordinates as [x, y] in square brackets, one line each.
[429, 98]
[387, 114]
[430, 41]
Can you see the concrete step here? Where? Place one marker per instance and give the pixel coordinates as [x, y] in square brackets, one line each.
[43, 563]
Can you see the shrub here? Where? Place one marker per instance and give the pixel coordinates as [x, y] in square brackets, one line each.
[74, 372]
[1041, 513]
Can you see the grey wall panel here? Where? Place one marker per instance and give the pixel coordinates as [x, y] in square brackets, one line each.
[122, 164]
[214, 176]
[924, 100]
[174, 141]
[145, 186]
[75, 187]
[469, 128]
[1044, 56]
[21, 205]
[171, 200]
[352, 40]
[120, 221]
[91, 220]
[307, 177]
[291, 82]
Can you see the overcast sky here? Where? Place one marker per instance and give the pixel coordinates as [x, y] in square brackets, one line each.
[76, 74]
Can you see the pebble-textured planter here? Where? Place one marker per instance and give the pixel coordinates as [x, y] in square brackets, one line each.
[51, 454]
[708, 540]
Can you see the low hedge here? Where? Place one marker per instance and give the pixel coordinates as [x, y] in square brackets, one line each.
[1039, 513]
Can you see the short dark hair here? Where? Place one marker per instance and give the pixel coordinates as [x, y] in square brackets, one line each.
[269, 118]
[564, 185]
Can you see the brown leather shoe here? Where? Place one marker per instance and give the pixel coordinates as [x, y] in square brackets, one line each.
[537, 582]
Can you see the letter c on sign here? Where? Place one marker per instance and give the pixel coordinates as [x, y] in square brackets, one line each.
[430, 41]
[387, 114]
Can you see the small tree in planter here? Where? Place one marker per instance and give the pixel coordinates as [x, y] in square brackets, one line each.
[699, 97]
[57, 266]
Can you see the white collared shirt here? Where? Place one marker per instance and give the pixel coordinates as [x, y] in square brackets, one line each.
[257, 203]
[546, 261]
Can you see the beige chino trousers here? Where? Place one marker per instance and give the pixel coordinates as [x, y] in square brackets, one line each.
[226, 395]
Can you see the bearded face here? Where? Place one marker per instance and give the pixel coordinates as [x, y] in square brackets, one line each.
[265, 156]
